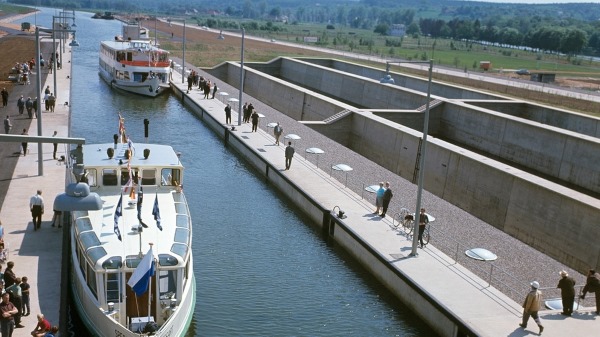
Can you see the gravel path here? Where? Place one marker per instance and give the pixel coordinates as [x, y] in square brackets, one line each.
[454, 230]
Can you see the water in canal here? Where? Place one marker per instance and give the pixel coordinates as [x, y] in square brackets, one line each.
[261, 267]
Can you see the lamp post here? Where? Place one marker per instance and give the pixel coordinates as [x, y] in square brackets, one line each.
[183, 58]
[422, 158]
[39, 92]
[241, 91]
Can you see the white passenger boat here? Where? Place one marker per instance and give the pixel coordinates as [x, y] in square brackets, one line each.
[132, 63]
[121, 287]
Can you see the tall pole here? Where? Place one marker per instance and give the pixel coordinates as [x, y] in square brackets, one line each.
[241, 95]
[38, 90]
[54, 68]
[183, 61]
[422, 166]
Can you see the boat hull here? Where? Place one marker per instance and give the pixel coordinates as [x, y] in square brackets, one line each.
[150, 88]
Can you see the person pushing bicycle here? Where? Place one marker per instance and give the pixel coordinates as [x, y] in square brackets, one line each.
[423, 221]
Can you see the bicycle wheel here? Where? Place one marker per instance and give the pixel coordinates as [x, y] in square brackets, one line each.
[407, 221]
[426, 236]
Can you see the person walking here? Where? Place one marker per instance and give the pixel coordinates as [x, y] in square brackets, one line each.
[423, 221]
[531, 306]
[228, 114]
[289, 154]
[387, 197]
[4, 94]
[254, 121]
[7, 125]
[567, 292]
[214, 91]
[24, 144]
[379, 198]
[29, 107]
[21, 105]
[250, 111]
[36, 205]
[277, 131]
[592, 285]
[7, 321]
[54, 146]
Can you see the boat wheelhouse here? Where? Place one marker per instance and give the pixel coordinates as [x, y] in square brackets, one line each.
[107, 245]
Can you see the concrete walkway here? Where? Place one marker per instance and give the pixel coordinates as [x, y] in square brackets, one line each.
[484, 309]
[37, 254]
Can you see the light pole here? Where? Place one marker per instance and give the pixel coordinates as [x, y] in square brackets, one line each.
[183, 58]
[241, 91]
[422, 157]
[39, 91]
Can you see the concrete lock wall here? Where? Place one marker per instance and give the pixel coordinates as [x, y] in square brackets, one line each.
[568, 156]
[559, 118]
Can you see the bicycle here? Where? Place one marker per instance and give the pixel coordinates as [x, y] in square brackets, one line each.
[406, 219]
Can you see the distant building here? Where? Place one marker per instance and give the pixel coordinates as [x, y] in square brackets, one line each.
[397, 29]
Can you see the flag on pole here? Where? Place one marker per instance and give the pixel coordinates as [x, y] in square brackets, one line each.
[140, 279]
[118, 214]
[156, 213]
[139, 206]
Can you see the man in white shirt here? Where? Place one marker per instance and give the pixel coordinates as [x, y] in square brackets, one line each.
[36, 205]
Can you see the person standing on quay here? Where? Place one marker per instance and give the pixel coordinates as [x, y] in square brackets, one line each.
[7, 125]
[7, 322]
[289, 154]
[4, 97]
[246, 114]
[592, 285]
[254, 121]
[228, 114]
[387, 197]
[21, 105]
[531, 306]
[36, 205]
[567, 292]
[214, 91]
[379, 198]
[277, 131]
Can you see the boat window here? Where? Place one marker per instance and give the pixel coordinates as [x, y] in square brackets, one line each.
[81, 258]
[171, 177]
[182, 235]
[148, 177]
[91, 280]
[125, 176]
[96, 253]
[129, 56]
[132, 261]
[167, 260]
[114, 262]
[179, 249]
[167, 285]
[89, 177]
[112, 287]
[182, 221]
[83, 224]
[180, 208]
[109, 177]
[88, 240]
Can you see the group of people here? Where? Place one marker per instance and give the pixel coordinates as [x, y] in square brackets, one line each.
[23, 71]
[204, 85]
[533, 301]
[49, 100]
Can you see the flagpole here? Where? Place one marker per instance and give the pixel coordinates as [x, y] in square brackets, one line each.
[150, 294]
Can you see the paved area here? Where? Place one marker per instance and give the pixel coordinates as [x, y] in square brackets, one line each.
[461, 287]
[36, 254]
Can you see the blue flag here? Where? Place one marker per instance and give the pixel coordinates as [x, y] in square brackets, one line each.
[139, 206]
[140, 279]
[156, 213]
[118, 214]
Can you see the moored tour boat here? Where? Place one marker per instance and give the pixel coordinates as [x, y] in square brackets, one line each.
[132, 63]
[121, 287]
